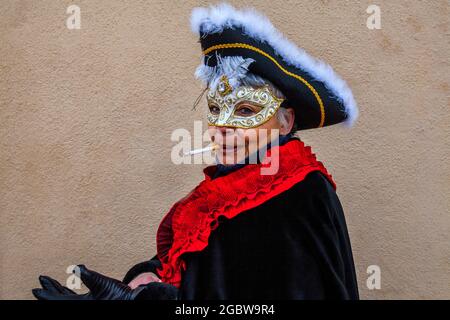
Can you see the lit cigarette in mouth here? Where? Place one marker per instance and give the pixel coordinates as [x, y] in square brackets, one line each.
[211, 147]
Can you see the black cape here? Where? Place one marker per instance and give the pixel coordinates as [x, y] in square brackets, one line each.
[294, 246]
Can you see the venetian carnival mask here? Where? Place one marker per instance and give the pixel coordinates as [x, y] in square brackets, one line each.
[225, 103]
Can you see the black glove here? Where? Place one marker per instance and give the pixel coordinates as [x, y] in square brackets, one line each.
[147, 266]
[103, 288]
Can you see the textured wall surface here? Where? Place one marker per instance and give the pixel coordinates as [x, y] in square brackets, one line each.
[86, 117]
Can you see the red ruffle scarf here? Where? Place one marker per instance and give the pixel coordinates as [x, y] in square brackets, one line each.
[190, 221]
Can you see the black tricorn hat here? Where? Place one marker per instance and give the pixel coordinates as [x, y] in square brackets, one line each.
[317, 94]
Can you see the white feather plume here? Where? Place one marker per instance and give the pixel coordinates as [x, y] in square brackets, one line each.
[234, 67]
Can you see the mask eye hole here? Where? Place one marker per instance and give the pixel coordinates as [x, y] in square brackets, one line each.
[215, 110]
[246, 110]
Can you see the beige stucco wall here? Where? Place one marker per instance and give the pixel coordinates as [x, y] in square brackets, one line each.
[86, 117]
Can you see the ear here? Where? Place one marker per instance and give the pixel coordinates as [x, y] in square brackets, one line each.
[290, 117]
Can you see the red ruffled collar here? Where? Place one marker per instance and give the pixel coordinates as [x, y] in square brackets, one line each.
[189, 223]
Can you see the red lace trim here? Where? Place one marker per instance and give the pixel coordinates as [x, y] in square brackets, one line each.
[189, 223]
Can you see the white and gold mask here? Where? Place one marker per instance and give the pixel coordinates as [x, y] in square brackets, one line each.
[225, 101]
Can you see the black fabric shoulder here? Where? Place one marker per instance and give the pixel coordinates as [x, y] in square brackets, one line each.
[315, 182]
[315, 192]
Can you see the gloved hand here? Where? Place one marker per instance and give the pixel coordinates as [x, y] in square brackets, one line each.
[103, 288]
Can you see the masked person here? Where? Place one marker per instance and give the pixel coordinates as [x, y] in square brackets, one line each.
[246, 233]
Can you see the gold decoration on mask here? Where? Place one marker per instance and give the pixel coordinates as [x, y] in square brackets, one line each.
[227, 104]
[224, 87]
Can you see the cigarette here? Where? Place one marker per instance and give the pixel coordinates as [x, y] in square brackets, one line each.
[211, 147]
